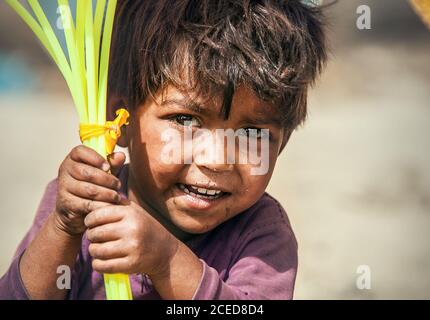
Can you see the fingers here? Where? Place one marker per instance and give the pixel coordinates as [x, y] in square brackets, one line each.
[102, 217]
[104, 233]
[89, 156]
[107, 250]
[93, 192]
[117, 265]
[78, 205]
[85, 172]
[84, 185]
[116, 161]
[86, 181]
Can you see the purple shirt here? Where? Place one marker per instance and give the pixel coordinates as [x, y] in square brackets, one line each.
[251, 256]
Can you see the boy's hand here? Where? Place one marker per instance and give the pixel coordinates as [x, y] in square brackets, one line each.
[126, 239]
[84, 185]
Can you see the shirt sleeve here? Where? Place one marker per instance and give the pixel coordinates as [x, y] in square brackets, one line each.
[265, 268]
[11, 284]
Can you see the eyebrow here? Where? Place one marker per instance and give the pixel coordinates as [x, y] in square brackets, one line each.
[188, 104]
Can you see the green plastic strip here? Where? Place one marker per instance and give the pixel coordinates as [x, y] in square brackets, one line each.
[61, 58]
[86, 75]
[91, 71]
[104, 57]
[75, 62]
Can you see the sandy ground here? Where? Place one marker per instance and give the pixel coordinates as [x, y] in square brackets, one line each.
[355, 180]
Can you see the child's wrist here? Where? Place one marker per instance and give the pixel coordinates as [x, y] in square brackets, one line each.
[184, 269]
[164, 269]
[63, 229]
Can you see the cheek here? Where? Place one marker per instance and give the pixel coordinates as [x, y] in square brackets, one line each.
[255, 178]
[254, 185]
[146, 151]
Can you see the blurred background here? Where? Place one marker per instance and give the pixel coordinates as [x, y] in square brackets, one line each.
[355, 179]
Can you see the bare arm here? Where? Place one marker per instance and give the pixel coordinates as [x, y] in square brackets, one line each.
[51, 248]
[180, 279]
[84, 184]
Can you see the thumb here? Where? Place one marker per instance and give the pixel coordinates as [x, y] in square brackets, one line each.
[116, 161]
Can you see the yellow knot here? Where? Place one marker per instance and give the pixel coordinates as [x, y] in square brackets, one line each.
[111, 130]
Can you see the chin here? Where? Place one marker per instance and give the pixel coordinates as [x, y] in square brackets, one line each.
[192, 225]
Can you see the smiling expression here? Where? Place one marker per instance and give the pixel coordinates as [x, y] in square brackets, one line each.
[196, 197]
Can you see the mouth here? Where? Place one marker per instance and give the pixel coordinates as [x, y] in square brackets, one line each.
[198, 197]
[201, 192]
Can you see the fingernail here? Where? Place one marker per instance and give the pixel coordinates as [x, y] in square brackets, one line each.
[125, 201]
[105, 166]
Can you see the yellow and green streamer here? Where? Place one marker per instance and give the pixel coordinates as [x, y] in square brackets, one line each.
[85, 69]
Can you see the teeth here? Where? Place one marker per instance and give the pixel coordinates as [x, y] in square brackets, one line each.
[211, 192]
[200, 192]
[182, 187]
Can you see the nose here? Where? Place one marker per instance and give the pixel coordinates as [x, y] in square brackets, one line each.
[210, 152]
[216, 167]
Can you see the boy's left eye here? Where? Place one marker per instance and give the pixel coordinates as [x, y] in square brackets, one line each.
[185, 120]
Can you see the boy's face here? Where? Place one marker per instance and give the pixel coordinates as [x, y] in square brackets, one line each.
[169, 190]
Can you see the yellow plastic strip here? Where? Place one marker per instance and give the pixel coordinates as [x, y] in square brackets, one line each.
[97, 30]
[80, 44]
[98, 25]
[91, 72]
[422, 8]
[104, 58]
[111, 130]
[91, 66]
[62, 62]
[69, 32]
[86, 76]
[52, 39]
[117, 285]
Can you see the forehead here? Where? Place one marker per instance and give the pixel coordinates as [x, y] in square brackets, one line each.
[245, 103]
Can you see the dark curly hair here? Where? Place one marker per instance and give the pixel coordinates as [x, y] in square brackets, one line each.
[275, 47]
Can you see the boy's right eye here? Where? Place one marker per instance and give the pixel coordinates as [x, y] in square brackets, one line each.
[185, 120]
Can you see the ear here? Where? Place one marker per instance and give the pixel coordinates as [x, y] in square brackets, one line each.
[285, 138]
[113, 104]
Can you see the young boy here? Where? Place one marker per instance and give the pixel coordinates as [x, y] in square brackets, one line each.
[195, 228]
